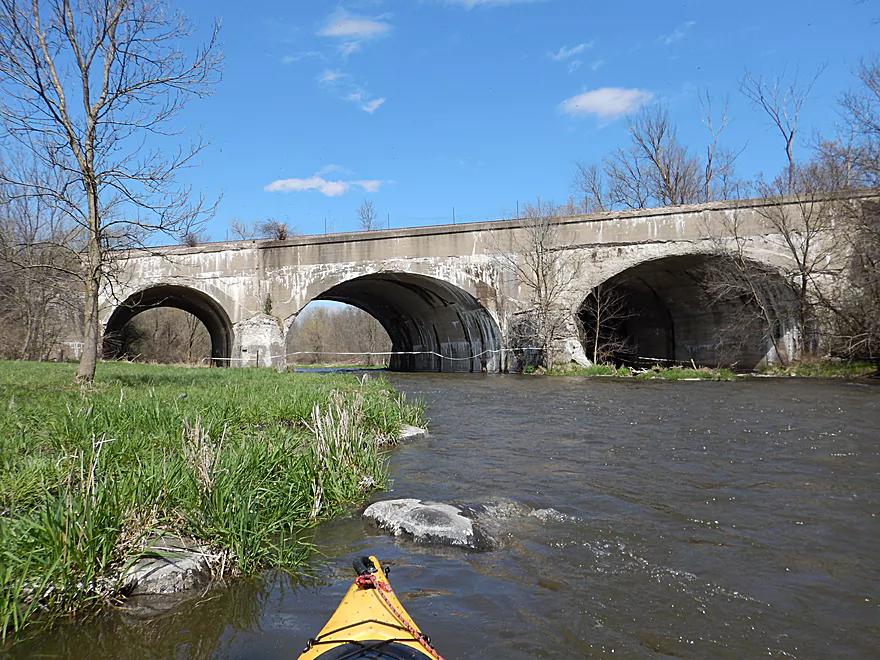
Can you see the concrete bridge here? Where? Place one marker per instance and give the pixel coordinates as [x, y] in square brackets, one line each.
[446, 299]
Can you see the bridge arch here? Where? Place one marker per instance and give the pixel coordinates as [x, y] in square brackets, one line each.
[433, 325]
[197, 303]
[689, 308]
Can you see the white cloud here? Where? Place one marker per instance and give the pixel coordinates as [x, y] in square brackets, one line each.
[470, 4]
[319, 183]
[371, 106]
[364, 101]
[574, 65]
[329, 76]
[348, 48]
[350, 27]
[565, 52]
[677, 34]
[606, 102]
[368, 186]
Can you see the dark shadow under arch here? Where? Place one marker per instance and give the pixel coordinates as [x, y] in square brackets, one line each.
[433, 325]
[674, 309]
[199, 304]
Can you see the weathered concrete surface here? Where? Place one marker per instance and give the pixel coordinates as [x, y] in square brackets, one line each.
[259, 341]
[169, 565]
[442, 293]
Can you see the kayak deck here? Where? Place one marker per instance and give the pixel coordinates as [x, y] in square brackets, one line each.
[370, 622]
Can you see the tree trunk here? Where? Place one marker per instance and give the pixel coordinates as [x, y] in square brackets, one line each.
[89, 360]
[93, 280]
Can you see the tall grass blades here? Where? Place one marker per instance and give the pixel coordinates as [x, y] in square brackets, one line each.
[243, 464]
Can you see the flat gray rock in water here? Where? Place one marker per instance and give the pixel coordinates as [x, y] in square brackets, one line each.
[168, 566]
[408, 431]
[429, 523]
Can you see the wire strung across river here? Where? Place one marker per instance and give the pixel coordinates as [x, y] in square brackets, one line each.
[440, 355]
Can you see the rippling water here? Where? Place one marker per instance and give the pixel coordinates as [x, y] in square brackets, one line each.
[692, 519]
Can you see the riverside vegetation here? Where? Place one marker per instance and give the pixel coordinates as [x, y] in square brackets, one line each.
[804, 369]
[240, 460]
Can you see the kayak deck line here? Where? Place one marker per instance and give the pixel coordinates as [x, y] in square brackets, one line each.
[370, 622]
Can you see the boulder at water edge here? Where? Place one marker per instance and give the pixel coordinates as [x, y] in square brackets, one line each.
[168, 566]
[430, 523]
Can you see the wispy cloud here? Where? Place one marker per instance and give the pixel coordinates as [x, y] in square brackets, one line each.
[330, 76]
[345, 88]
[364, 102]
[470, 4]
[353, 31]
[348, 26]
[327, 169]
[565, 52]
[606, 103]
[677, 34]
[322, 185]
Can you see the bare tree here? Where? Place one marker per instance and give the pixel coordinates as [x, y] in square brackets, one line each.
[271, 228]
[719, 180]
[242, 230]
[861, 113]
[90, 89]
[806, 228]
[589, 180]
[367, 216]
[759, 297]
[39, 268]
[602, 314]
[334, 335]
[782, 102]
[656, 169]
[165, 335]
[851, 304]
[275, 229]
[542, 264]
[194, 238]
[673, 177]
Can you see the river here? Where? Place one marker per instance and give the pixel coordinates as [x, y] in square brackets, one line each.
[695, 520]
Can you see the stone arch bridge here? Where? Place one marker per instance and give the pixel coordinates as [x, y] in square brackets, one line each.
[443, 295]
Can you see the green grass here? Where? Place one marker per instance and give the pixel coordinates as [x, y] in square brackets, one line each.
[823, 369]
[684, 373]
[666, 373]
[560, 369]
[242, 460]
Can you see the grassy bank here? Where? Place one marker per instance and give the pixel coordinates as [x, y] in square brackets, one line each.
[666, 373]
[823, 369]
[806, 369]
[240, 459]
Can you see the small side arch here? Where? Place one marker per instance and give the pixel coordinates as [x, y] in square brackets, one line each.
[200, 305]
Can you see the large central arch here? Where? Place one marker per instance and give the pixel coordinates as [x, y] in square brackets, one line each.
[199, 304]
[433, 325]
[696, 308]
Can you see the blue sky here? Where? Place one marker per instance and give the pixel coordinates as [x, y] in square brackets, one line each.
[426, 105]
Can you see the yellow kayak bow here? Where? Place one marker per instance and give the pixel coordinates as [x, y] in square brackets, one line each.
[370, 622]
